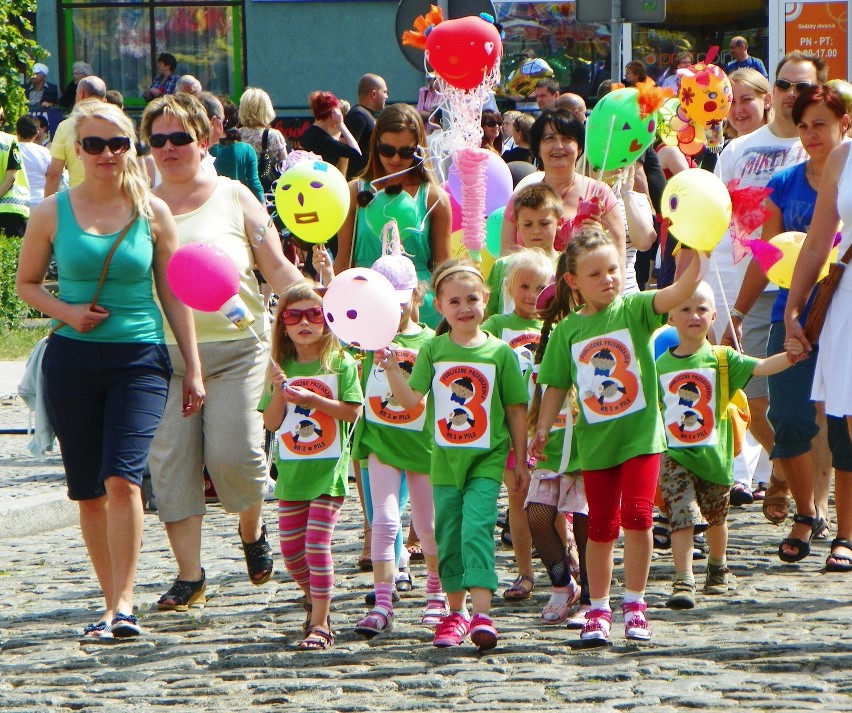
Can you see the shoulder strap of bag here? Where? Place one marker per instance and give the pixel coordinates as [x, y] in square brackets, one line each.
[104, 269]
[847, 256]
[265, 140]
[722, 360]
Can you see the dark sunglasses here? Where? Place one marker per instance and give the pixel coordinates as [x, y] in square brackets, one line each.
[294, 316]
[178, 138]
[404, 152]
[95, 145]
[490, 123]
[785, 85]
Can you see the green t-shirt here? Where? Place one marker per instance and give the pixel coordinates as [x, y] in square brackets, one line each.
[470, 390]
[398, 437]
[499, 300]
[523, 335]
[697, 437]
[311, 448]
[609, 357]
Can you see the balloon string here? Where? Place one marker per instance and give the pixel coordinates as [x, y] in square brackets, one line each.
[724, 300]
[606, 155]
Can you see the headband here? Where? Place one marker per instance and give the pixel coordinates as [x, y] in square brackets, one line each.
[458, 268]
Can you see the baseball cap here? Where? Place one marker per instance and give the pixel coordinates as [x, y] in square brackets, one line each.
[400, 273]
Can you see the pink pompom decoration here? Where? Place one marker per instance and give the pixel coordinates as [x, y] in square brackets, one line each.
[471, 163]
[202, 276]
[765, 253]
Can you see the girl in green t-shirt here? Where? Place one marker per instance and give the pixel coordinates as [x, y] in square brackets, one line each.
[603, 347]
[477, 406]
[314, 396]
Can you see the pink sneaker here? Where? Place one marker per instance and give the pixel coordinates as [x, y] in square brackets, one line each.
[598, 623]
[452, 630]
[436, 609]
[635, 624]
[482, 632]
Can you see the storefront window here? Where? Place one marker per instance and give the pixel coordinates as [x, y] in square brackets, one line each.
[121, 41]
[545, 39]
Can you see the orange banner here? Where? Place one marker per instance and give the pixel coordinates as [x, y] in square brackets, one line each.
[821, 29]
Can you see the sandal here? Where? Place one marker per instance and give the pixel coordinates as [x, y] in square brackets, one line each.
[403, 581]
[101, 630]
[554, 614]
[378, 621]
[841, 563]
[741, 495]
[316, 638]
[519, 592]
[183, 594]
[803, 547]
[415, 552]
[662, 533]
[759, 493]
[258, 558]
[777, 496]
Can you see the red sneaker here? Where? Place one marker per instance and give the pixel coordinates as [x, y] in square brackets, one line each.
[452, 630]
[482, 632]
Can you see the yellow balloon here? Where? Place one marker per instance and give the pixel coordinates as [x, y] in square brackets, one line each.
[457, 249]
[790, 244]
[699, 207]
[312, 198]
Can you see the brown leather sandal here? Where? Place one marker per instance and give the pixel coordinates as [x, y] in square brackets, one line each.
[316, 638]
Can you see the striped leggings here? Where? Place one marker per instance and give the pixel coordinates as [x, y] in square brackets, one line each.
[305, 528]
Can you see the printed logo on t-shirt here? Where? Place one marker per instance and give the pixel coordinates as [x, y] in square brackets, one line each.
[689, 408]
[523, 343]
[307, 432]
[608, 376]
[462, 396]
[382, 406]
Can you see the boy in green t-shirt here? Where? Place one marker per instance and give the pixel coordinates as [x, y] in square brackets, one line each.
[696, 470]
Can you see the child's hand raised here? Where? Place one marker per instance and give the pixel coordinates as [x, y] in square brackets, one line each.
[322, 263]
[385, 358]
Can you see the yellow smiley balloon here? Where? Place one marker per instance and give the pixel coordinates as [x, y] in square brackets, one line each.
[699, 207]
[312, 198]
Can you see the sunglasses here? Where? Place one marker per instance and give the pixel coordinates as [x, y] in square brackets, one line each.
[294, 316]
[95, 145]
[178, 138]
[785, 85]
[404, 152]
[490, 123]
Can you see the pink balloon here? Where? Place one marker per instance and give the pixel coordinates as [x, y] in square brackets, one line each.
[361, 307]
[202, 276]
[455, 207]
[498, 182]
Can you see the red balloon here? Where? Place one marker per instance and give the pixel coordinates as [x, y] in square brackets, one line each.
[463, 51]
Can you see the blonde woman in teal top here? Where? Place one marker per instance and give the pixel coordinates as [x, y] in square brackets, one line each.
[106, 370]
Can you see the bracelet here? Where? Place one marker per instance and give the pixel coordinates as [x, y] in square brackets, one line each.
[739, 315]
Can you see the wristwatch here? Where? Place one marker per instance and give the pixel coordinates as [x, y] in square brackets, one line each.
[736, 313]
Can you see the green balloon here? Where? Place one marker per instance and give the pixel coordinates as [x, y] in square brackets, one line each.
[493, 228]
[618, 113]
[385, 207]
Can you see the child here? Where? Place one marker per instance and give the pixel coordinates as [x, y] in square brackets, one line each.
[696, 471]
[604, 349]
[530, 271]
[398, 442]
[538, 211]
[470, 371]
[313, 398]
[556, 489]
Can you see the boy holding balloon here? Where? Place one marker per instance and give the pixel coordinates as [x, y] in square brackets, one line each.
[696, 381]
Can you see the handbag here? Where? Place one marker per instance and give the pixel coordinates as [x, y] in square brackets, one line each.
[825, 291]
[734, 408]
[267, 170]
[31, 388]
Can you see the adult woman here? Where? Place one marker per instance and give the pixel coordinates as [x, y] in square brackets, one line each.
[234, 158]
[751, 105]
[396, 151]
[557, 140]
[820, 114]
[521, 128]
[226, 437]
[492, 137]
[256, 115]
[106, 370]
[328, 136]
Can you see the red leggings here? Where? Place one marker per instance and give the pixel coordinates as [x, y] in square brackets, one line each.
[622, 496]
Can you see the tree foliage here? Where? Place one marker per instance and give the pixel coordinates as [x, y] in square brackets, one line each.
[18, 52]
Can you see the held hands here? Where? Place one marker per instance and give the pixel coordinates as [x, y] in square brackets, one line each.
[538, 444]
[84, 318]
[795, 349]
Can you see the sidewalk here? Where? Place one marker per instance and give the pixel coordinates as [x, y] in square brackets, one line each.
[32, 492]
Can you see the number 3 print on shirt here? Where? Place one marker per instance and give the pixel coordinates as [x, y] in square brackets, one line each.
[689, 408]
[309, 433]
[382, 407]
[462, 394]
[607, 376]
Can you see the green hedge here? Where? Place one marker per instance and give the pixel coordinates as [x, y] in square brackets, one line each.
[12, 309]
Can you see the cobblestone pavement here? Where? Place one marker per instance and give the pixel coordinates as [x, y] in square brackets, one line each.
[781, 642]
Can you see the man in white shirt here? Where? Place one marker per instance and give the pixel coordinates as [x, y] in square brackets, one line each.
[35, 158]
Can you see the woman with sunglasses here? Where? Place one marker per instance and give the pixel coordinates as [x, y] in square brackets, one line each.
[225, 439]
[492, 136]
[820, 114]
[396, 163]
[106, 370]
[557, 140]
